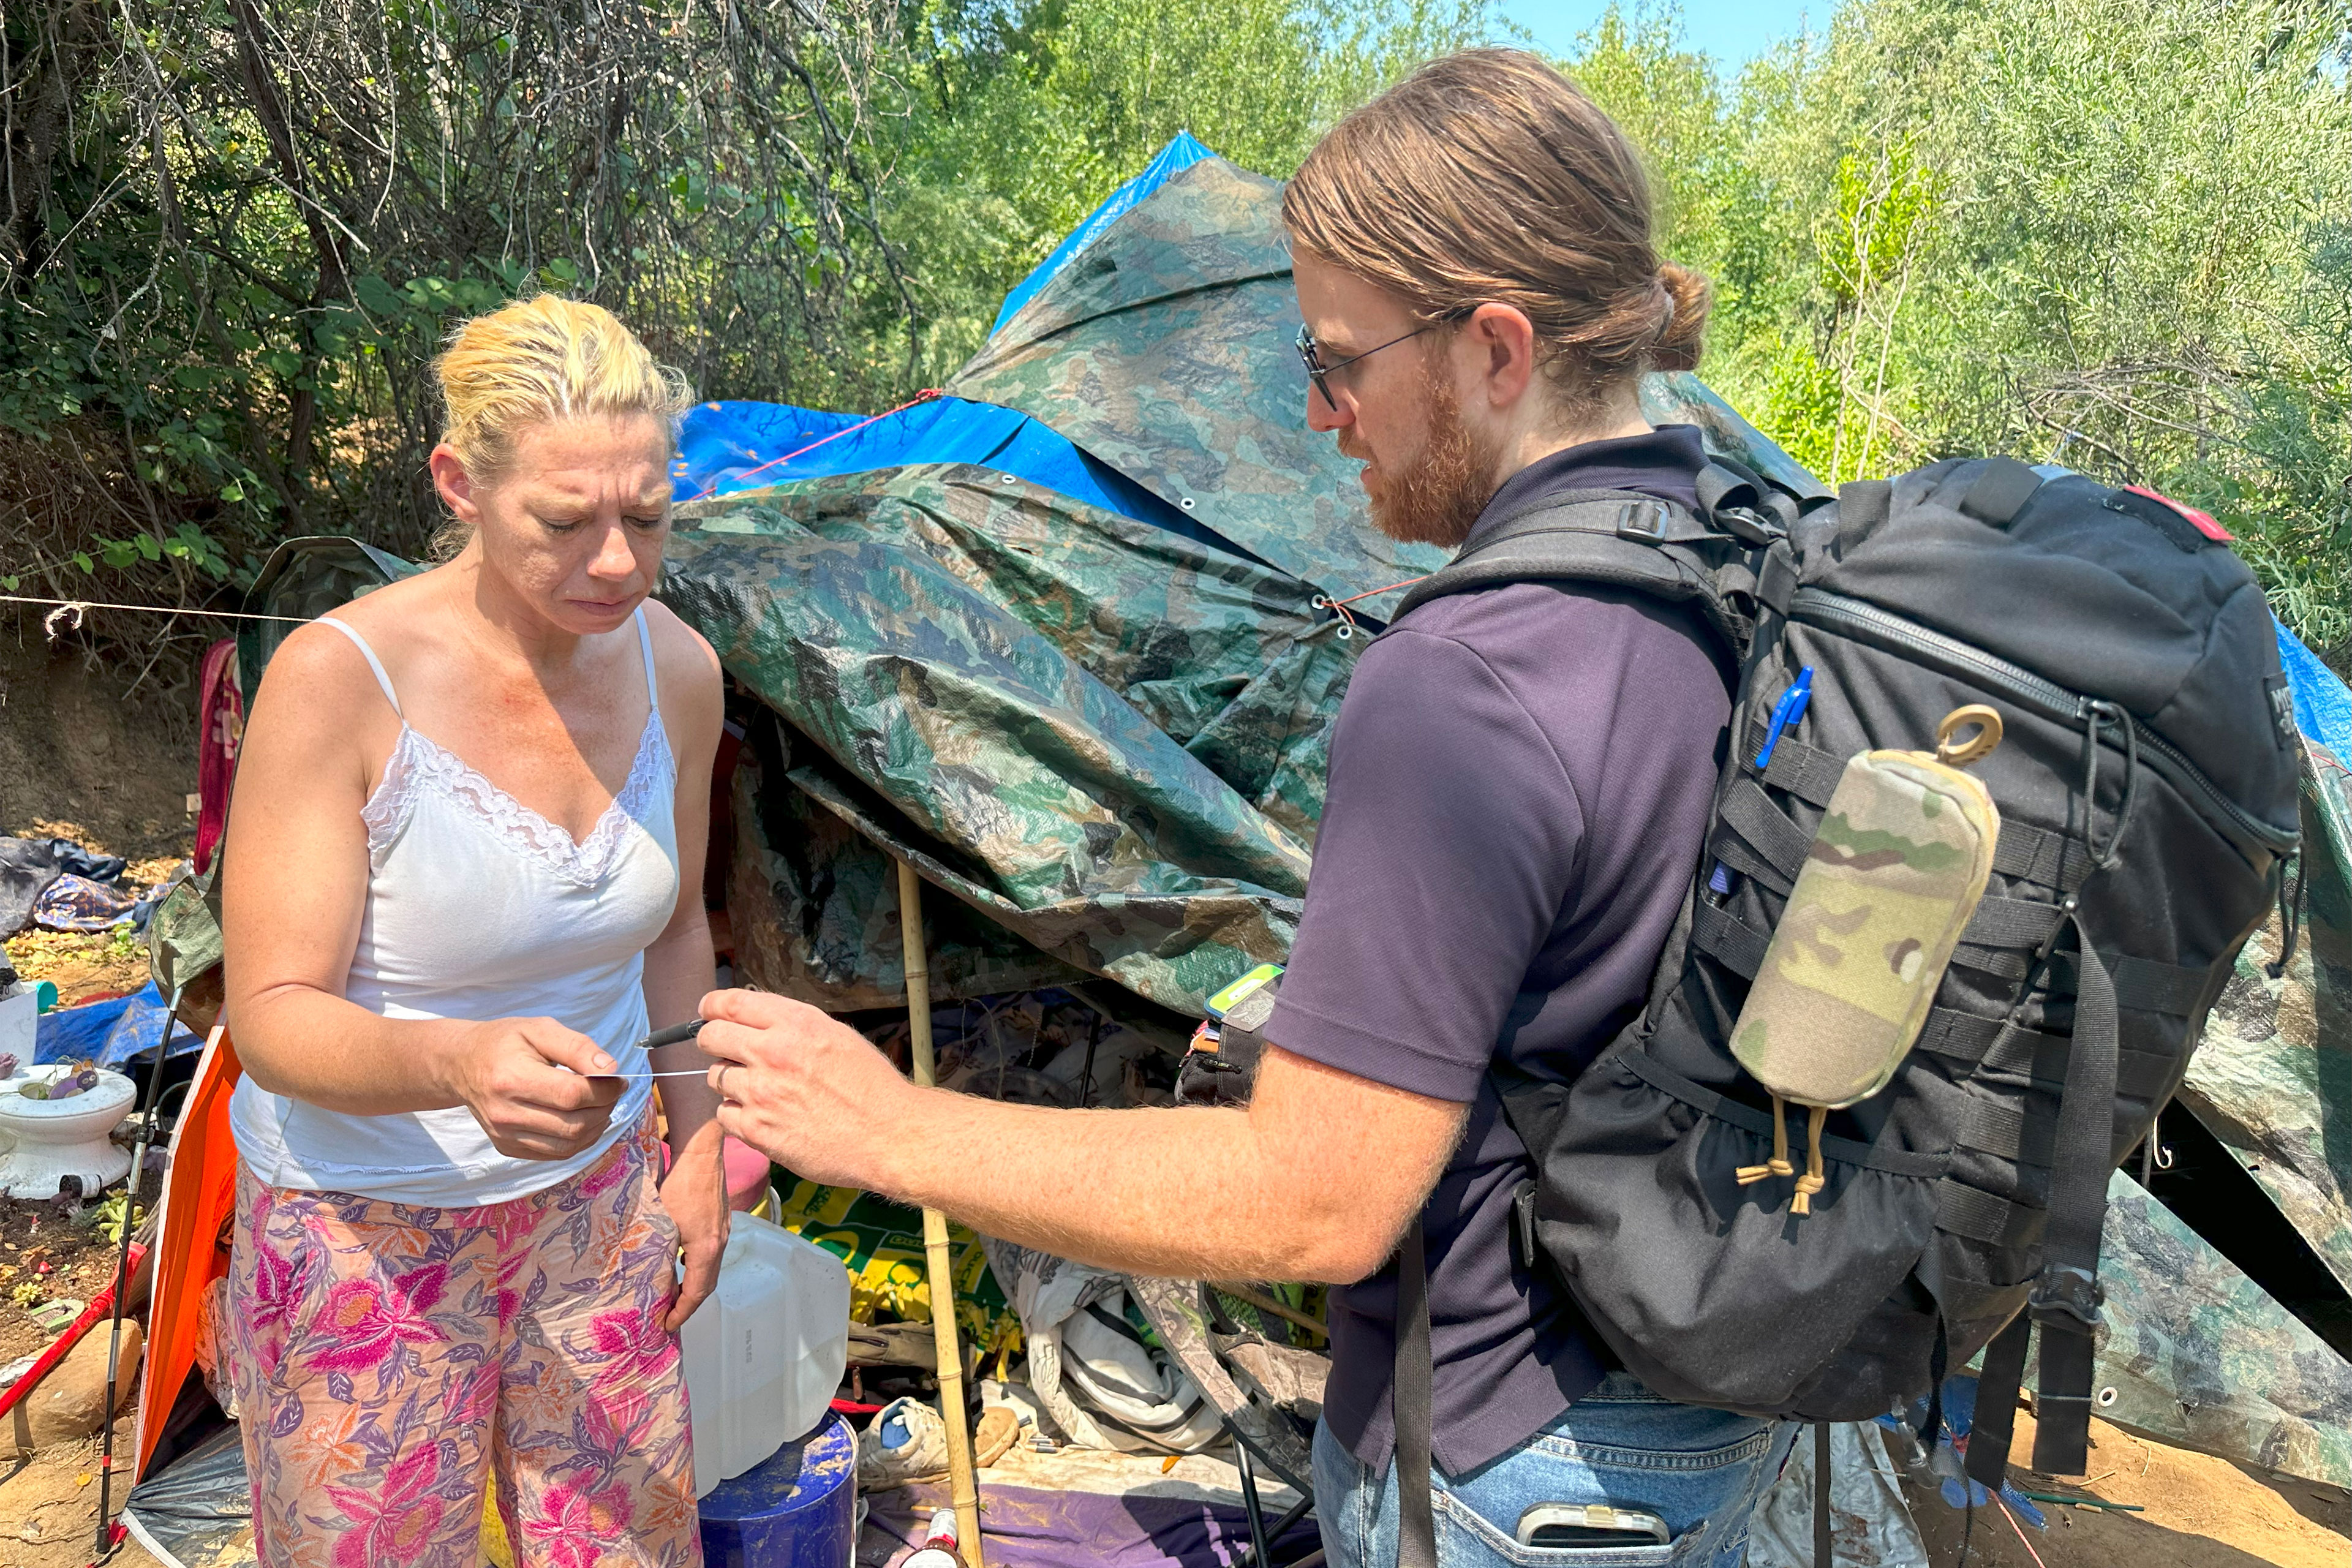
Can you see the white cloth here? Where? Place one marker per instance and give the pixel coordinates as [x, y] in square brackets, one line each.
[1096, 1379]
[479, 908]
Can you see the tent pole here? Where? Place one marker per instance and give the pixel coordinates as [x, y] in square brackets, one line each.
[963, 1486]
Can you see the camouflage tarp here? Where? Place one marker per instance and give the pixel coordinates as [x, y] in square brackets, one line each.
[924, 628]
[2196, 1354]
[1164, 349]
[1138, 720]
[2273, 1078]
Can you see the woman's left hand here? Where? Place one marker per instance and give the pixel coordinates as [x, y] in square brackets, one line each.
[695, 1195]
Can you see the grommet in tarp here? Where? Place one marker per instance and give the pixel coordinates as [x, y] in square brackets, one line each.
[1186, 503]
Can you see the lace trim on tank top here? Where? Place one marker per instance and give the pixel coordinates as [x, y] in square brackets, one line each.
[419, 764]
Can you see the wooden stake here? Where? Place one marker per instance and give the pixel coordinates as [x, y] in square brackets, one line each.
[963, 1484]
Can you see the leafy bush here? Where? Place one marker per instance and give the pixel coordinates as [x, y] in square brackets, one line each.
[2107, 233]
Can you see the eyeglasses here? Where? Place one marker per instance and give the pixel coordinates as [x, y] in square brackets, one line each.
[1311, 354]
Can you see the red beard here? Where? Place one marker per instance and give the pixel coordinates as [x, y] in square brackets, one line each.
[1436, 499]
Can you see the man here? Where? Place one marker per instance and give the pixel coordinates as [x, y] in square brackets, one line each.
[1519, 781]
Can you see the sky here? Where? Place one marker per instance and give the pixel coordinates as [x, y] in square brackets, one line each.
[1733, 31]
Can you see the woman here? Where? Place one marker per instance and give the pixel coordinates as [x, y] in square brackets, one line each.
[465, 877]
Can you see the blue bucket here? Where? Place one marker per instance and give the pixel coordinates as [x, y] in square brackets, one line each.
[794, 1509]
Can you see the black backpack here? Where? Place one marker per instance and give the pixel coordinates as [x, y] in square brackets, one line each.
[2147, 788]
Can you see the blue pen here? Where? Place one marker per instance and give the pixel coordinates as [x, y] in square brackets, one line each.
[1785, 713]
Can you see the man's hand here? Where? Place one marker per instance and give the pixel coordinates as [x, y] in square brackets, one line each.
[811, 1092]
[694, 1194]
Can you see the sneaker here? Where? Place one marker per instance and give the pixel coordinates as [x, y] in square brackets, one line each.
[907, 1442]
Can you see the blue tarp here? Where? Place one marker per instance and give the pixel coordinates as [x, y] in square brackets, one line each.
[109, 1033]
[2323, 707]
[723, 448]
[1181, 153]
[727, 446]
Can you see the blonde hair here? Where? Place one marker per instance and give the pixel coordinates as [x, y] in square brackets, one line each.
[1490, 175]
[534, 360]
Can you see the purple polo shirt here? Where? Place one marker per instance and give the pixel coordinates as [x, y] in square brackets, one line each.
[1519, 783]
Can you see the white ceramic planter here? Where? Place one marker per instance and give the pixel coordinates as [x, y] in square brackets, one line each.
[48, 1140]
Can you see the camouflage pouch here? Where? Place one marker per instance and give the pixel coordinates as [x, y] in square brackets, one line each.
[1896, 870]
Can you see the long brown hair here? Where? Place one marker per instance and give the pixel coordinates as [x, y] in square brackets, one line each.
[1488, 175]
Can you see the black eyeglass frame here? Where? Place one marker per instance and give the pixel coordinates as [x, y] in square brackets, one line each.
[1310, 351]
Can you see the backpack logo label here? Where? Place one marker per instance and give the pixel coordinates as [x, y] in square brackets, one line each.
[2281, 711]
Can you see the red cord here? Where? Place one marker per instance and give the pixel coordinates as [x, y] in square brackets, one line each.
[1341, 604]
[923, 397]
[1370, 593]
[2020, 1531]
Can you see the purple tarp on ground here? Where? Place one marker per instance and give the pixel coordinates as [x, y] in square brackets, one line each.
[1032, 1527]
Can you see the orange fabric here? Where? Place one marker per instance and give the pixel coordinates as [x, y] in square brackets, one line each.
[199, 1196]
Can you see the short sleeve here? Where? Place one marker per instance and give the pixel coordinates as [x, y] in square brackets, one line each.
[1449, 844]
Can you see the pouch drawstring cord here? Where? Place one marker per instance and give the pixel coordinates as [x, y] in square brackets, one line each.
[1812, 1181]
[1778, 1165]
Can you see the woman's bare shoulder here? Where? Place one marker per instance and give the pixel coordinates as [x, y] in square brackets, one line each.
[689, 665]
[693, 699]
[393, 611]
[322, 675]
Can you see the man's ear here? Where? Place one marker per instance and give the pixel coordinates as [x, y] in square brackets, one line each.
[1504, 340]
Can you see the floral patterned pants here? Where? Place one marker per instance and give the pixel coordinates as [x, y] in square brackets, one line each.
[389, 1361]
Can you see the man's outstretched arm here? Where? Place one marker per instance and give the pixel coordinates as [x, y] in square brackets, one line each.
[1315, 1181]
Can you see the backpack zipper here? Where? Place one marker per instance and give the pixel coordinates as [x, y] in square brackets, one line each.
[1867, 623]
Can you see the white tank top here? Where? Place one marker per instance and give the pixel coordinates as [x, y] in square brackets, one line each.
[479, 908]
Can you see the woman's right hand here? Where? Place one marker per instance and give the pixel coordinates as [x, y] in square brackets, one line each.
[511, 1074]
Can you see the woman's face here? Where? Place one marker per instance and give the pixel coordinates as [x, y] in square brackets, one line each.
[574, 525]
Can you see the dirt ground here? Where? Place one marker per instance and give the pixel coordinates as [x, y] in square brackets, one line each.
[90, 750]
[2199, 1512]
[57, 1249]
[48, 1507]
[80, 745]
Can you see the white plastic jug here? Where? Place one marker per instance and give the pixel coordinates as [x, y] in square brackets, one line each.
[764, 1355]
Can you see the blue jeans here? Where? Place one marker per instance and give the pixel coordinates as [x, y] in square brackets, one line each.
[1701, 1471]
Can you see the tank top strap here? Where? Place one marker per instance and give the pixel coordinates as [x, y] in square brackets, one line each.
[646, 646]
[375, 663]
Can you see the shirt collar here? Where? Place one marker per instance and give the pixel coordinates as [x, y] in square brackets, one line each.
[1664, 463]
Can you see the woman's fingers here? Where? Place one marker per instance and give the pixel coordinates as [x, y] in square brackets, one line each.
[567, 1091]
[566, 1048]
[565, 1132]
[519, 1147]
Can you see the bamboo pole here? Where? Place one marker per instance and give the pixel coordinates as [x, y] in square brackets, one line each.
[963, 1485]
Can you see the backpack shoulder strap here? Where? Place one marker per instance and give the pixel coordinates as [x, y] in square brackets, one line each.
[1602, 536]
[1621, 539]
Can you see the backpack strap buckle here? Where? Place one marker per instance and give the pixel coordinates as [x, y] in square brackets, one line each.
[2065, 1290]
[1523, 1245]
[1642, 520]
